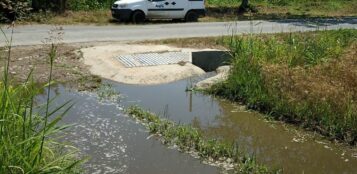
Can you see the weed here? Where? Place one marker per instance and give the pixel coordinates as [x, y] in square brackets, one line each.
[28, 138]
[106, 92]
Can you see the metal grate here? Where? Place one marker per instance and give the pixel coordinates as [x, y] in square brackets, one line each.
[152, 59]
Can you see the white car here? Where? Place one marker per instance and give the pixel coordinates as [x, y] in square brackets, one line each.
[139, 10]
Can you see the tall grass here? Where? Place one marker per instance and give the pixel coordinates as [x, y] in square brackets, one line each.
[283, 75]
[28, 138]
[275, 9]
[293, 49]
[298, 3]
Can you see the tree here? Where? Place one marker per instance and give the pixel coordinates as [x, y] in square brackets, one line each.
[53, 5]
[62, 5]
[245, 7]
[244, 4]
[13, 10]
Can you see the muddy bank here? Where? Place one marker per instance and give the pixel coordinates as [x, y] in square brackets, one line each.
[68, 66]
[102, 62]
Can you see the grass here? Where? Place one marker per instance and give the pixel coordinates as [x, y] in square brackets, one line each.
[29, 131]
[303, 78]
[195, 42]
[291, 8]
[98, 17]
[189, 139]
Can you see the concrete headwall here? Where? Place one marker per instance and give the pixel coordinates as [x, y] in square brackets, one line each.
[210, 60]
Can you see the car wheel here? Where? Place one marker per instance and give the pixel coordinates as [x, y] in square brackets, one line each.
[138, 17]
[191, 16]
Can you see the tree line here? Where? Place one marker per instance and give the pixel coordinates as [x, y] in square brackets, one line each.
[11, 10]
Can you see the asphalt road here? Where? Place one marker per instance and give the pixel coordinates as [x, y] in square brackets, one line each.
[35, 34]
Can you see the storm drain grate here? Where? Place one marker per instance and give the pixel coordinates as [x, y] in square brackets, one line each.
[152, 59]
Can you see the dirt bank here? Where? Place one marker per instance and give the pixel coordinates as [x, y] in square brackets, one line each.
[68, 66]
[102, 63]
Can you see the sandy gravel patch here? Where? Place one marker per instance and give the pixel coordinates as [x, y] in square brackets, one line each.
[102, 62]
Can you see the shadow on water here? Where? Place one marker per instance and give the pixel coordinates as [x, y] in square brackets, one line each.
[119, 145]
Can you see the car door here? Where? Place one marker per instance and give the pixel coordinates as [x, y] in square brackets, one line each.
[177, 8]
[156, 9]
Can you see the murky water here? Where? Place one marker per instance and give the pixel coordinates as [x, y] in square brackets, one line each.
[275, 144]
[115, 143]
[119, 145]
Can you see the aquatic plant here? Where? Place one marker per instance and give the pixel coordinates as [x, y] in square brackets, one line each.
[189, 139]
[28, 136]
[107, 92]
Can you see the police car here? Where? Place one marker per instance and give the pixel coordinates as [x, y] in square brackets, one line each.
[137, 11]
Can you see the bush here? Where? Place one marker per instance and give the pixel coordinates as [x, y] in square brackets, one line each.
[52, 5]
[13, 10]
[89, 4]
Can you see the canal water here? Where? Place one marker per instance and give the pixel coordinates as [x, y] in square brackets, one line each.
[117, 144]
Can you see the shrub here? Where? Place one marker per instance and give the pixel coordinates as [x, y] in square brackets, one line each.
[13, 10]
[89, 4]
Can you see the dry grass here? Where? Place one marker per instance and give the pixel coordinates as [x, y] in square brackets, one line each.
[318, 9]
[194, 42]
[335, 81]
[98, 17]
[286, 8]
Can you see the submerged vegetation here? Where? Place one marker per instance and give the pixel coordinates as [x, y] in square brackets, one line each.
[188, 139]
[107, 92]
[305, 78]
[29, 131]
